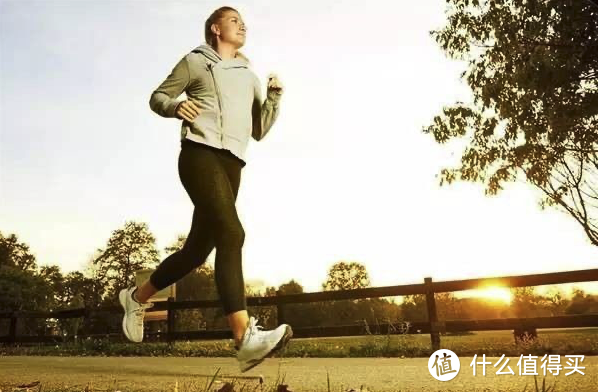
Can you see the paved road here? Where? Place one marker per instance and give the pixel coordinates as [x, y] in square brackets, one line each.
[301, 374]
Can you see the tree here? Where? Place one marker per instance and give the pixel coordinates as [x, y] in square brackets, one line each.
[298, 314]
[16, 254]
[525, 302]
[346, 276]
[343, 276]
[128, 250]
[533, 72]
[270, 291]
[22, 287]
[555, 302]
[414, 308]
[87, 288]
[291, 287]
[375, 311]
[580, 303]
[23, 290]
[447, 306]
[53, 278]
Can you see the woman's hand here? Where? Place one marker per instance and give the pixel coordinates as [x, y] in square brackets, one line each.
[187, 110]
[274, 85]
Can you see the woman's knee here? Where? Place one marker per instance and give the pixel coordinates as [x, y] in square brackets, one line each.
[230, 234]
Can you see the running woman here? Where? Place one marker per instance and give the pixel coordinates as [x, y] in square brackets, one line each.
[224, 108]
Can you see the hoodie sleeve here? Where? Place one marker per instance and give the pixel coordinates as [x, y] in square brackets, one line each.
[264, 113]
[163, 100]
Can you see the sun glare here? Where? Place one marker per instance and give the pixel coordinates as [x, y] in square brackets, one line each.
[494, 293]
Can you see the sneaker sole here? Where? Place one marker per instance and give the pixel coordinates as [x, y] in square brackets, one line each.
[252, 364]
[282, 343]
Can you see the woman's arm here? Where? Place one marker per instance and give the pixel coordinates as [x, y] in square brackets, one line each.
[264, 113]
[164, 99]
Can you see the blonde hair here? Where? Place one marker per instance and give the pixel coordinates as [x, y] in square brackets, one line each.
[215, 18]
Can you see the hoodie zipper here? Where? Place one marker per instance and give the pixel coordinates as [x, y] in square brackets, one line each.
[210, 68]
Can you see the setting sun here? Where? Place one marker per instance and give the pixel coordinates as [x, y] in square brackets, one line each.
[493, 293]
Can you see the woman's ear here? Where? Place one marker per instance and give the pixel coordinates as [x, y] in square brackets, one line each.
[215, 29]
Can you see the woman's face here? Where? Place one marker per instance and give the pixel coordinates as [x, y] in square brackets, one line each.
[232, 29]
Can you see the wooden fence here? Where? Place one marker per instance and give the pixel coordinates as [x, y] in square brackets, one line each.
[433, 326]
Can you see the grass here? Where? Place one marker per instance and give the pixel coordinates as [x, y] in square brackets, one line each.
[491, 343]
[276, 386]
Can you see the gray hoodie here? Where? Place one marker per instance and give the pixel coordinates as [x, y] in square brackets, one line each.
[228, 94]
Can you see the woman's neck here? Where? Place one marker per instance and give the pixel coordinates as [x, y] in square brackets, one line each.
[226, 51]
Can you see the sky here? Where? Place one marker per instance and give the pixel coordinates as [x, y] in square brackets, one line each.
[345, 174]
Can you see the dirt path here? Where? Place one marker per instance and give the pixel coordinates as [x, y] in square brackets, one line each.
[301, 374]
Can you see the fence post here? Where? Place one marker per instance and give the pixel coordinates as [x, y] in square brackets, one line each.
[12, 329]
[170, 320]
[279, 311]
[432, 315]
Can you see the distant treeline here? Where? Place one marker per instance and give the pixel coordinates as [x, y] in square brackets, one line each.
[24, 285]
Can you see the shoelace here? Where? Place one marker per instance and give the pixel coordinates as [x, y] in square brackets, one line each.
[140, 311]
[254, 327]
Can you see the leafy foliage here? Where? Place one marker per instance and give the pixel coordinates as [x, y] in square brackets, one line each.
[16, 254]
[346, 276]
[129, 249]
[533, 73]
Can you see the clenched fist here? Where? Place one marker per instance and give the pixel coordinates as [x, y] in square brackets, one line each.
[187, 110]
[274, 85]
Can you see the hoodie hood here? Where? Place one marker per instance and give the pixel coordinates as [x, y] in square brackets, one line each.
[209, 52]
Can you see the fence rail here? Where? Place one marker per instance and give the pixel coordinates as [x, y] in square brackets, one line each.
[433, 326]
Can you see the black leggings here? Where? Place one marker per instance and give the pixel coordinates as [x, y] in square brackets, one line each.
[211, 177]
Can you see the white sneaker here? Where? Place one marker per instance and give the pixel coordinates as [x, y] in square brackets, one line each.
[133, 318]
[258, 345]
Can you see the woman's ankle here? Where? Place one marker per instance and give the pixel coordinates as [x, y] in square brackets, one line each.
[135, 298]
[238, 344]
[239, 322]
[239, 339]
